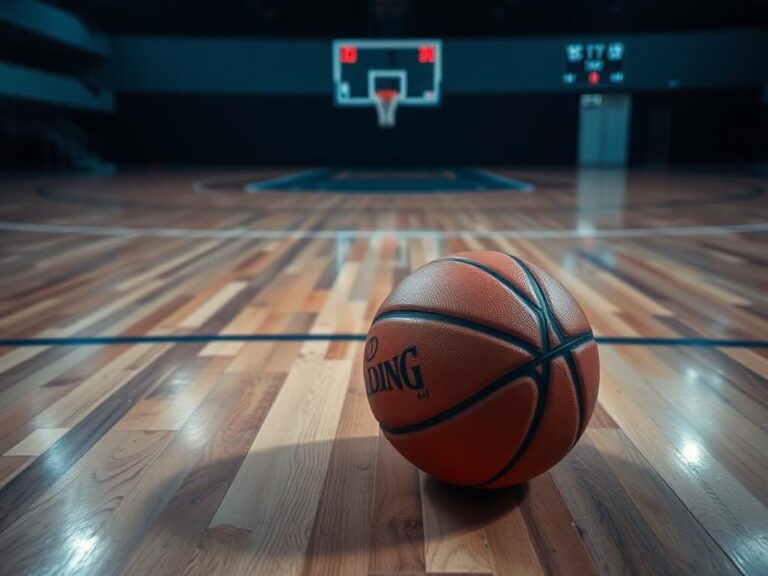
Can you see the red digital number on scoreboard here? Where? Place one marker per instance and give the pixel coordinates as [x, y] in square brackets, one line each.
[426, 54]
[348, 54]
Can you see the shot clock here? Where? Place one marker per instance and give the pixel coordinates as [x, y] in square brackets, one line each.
[594, 64]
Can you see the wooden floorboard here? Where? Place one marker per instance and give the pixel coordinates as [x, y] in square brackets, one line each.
[262, 457]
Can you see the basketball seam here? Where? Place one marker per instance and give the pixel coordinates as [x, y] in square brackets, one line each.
[519, 372]
[577, 388]
[457, 321]
[496, 276]
[572, 371]
[542, 394]
[543, 384]
[540, 294]
[541, 381]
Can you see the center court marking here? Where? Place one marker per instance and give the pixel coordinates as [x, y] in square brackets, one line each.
[241, 233]
[326, 180]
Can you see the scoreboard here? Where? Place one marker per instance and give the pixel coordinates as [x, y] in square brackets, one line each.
[594, 64]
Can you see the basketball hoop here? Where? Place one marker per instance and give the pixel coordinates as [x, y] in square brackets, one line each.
[386, 107]
[387, 74]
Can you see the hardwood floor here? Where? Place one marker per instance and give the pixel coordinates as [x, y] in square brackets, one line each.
[181, 385]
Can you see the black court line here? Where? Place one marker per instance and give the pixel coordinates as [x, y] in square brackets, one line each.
[301, 337]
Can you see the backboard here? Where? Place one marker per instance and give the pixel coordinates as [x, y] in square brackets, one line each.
[365, 71]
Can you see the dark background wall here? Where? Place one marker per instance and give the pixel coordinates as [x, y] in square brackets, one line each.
[696, 98]
[299, 130]
[695, 127]
[721, 126]
[701, 60]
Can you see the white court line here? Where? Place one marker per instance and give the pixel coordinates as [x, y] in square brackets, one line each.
[241, 233]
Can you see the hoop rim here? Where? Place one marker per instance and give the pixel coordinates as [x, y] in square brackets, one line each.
[387, 94]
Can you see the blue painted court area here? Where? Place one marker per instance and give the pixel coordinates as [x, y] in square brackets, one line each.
[384, 181]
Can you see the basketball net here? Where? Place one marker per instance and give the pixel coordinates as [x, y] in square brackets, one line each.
[386, 107]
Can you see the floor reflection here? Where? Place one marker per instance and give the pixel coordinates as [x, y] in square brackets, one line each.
[600, 204]
[600, 198]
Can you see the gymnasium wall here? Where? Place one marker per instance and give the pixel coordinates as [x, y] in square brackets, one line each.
[249, 129]
[694, 127]
[685, 127]
[474, 66]
[246, 101]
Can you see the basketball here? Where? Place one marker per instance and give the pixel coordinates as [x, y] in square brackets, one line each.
[481, 369]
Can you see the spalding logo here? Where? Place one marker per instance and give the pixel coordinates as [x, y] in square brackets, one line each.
[398, 373]
[371, 347]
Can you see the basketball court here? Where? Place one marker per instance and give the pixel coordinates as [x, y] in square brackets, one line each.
[184, 343]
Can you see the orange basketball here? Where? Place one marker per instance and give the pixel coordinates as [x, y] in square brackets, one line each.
[481, 369]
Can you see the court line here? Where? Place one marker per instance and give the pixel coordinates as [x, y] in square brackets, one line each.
[518, 185]
[293, 177]
[348, 337]
[242, 234]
